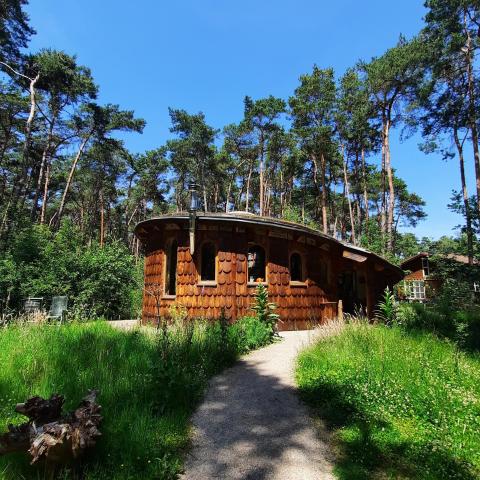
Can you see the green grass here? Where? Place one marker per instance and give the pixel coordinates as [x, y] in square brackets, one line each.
[148, 389]
[400, 405]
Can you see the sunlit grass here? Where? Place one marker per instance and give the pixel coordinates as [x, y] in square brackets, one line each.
[400, 405]
[148, 389]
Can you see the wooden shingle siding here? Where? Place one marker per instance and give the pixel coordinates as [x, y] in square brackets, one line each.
[301, 304]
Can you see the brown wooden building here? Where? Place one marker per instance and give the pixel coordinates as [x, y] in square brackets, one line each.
[421, 282]
[307, 272]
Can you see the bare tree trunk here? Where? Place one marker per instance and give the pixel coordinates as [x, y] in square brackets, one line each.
[247, 193]
[102, 218]
[45, 158]
[261, 195]
[70, 178]
[365, 192]
[391, 189]
[227, 199]
[471, 105]
[347, 195]
[323, 164]
[466, 202]
[45, 193]
[28, 133]
[21, 178]
[383, 216]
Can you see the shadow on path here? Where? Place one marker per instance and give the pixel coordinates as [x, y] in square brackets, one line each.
[252, 425]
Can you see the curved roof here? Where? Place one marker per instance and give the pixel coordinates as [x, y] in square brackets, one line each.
[252, 219]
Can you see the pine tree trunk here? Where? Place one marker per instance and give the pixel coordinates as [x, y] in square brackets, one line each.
[20, 185]
[70, 178]
[471, 105]
[466, 202]
[228, 196]
[21, 178]
[347, 195]
[45, 158]
[391, 189]
[102, 219]
[45, 193]
[365, 192]
[324, 193]
[247, 193]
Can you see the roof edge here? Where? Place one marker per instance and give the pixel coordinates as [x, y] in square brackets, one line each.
[267, 221]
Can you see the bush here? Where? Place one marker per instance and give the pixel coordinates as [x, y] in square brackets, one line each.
[249, 333]
[98, 280]
[461, 326]
[400, 406]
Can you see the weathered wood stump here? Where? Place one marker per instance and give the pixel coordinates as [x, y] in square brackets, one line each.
[50, 435]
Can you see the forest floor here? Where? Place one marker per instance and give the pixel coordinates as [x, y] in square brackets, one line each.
[252, 424]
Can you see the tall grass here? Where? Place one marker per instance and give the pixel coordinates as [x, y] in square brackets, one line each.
[148, 386]
[400, 405]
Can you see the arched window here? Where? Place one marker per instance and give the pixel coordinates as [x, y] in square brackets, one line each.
[296, 268]
[207, 262]
[171, 268]
[256, 264]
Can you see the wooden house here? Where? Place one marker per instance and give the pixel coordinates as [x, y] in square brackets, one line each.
[217, 263]
[420, 282]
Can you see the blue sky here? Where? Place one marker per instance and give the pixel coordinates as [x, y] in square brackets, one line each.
[207, 55]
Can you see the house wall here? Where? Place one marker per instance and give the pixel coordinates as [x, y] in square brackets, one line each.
[300, 305]
[416, 275]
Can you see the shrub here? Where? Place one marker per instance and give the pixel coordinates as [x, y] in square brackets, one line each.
[249, 333]
[98, 280]
[265, 310]
[406, 315]
[462, 326]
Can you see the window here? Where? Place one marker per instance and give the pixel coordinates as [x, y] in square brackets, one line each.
[296, 268]
[323, 273]
[171, 268]
[207, 266]
[256, 264]
[415, 290]
[425, 267]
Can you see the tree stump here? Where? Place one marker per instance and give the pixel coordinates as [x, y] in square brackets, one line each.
[50, 435]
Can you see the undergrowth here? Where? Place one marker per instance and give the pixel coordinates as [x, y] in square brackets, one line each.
[149, 385]
[401, 405]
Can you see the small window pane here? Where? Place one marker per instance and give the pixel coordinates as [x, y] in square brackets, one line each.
[207, 268]
[256, 264]
[426, 267]
[296, 268]
[415, 290]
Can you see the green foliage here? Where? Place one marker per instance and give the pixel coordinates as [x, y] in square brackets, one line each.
[43, 263]
[461, 325]
[149, 384]
[387, 308]
[400, 406]
[15, 31]
[249, 333]
[265, 310]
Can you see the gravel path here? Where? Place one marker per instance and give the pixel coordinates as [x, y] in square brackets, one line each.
[251, 424]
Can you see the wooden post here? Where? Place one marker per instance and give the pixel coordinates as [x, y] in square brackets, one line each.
[340, 310]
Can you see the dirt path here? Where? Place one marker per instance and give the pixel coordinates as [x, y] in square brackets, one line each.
[251, 424]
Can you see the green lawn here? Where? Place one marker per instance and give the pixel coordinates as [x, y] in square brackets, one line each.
[400, 405]
[148, 388]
